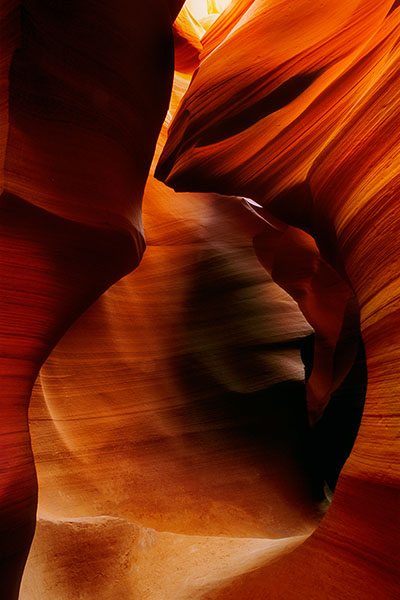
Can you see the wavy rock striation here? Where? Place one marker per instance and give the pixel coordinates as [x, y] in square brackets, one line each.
[77, 143]
[308, 129]
[135, 562]
[171, 425]
[187, 376]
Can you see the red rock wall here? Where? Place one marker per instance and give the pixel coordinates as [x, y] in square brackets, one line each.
[309, 130]
[84, 90]
[171, 425]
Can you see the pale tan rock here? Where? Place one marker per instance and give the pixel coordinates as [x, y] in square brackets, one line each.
[109, 558]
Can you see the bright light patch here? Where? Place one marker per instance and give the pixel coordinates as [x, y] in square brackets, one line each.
[203, 8]
[253, 202]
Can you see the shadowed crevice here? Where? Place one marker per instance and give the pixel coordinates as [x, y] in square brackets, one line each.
[279, 98]
[395, 5]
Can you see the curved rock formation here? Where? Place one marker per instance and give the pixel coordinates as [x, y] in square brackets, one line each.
[171, 425]
[188, 32]
[77, 142]
[308, 129]
[134, 562]
[189, 373]
[271, 106]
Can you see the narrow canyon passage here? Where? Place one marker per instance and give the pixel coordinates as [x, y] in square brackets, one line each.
[303, 120]
[215, 420]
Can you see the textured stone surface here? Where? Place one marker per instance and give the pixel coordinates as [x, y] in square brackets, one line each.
[316, 144]
[135, 562]
[77, 141]
[176, 402]
[185, 427]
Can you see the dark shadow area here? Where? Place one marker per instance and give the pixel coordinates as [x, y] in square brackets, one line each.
[245, 409]
[279, 98]
[335, 434]
[395, 5]
[225, 128]
[265, 428]
[294, 207]
[331, 440]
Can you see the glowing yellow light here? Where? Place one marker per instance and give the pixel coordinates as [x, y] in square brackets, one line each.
[202, 8]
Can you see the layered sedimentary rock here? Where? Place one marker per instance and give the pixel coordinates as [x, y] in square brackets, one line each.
[171, 425]
[177, 404]
[79, 124]
[308, 128]
[188, 33]
[134, 562]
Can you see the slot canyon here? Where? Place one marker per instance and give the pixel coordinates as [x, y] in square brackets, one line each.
[200, 300]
